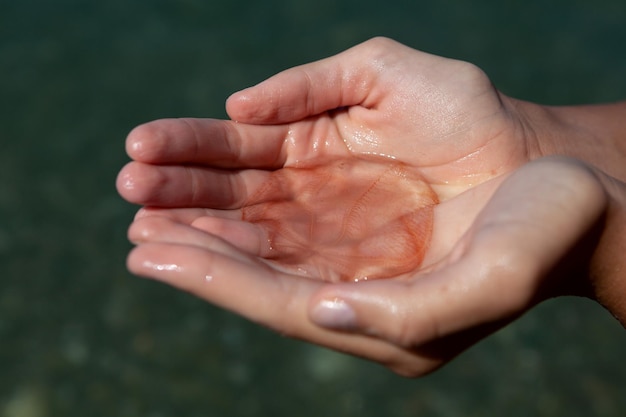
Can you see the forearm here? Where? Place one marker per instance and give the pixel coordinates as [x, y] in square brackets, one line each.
[607, 268]
[595, 134]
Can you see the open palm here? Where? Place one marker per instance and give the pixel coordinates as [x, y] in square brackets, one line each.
[379, 162]
[343, 182]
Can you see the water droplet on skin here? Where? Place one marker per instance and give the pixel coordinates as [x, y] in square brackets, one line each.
[162, 267]
[128, 182]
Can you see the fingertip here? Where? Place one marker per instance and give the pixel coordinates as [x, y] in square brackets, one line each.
[135, 260]
[134, 144]
[241, 96]
[125, 181]
[145, 229]
[135, 141]
[136, 182]
[155, 261]
[240, 106]
[145, 142]
[144, 212]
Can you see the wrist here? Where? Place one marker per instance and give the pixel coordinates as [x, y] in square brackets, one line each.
[595, 134]
[607, 268]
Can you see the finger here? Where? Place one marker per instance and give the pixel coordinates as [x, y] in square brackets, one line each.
[247, 237]
[222, 275]
[184, 186]
[186, 215]
[217, 143]
[362, 75]
[493, 275]
[307, 90]
[261, 294]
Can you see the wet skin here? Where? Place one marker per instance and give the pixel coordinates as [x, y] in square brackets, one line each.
[347, 220]
[507, 217]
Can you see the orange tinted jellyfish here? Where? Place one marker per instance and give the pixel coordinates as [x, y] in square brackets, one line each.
[347, 220]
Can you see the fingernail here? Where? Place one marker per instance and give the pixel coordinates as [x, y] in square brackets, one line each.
[335, 313]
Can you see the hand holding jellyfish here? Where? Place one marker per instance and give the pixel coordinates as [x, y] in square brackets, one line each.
[407, 172]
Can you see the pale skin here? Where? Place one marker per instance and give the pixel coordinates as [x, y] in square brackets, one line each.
[529, 203]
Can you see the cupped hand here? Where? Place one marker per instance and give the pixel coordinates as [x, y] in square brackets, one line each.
[382, 164]
[522, 247]
[378, 123]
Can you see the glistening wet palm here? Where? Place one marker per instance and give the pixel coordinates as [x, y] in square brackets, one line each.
[374, 218]
[349, 219]
[394, 110]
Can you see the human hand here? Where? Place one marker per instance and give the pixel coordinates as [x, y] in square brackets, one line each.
[522, 248]
[447, 137]
[422, 128]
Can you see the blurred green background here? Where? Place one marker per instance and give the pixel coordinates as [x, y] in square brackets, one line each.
[79, 336]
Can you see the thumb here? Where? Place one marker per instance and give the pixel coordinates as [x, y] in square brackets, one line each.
[304, 91]
[413, 313]
[494, 274]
